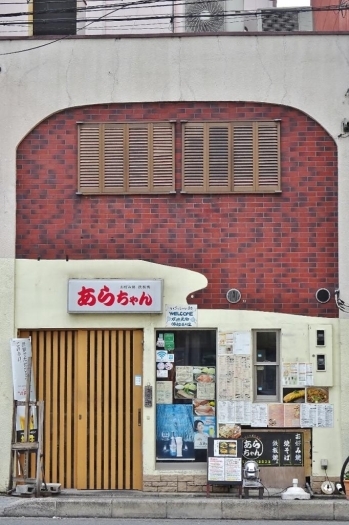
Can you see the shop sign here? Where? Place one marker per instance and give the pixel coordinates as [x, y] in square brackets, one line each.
[270, 449]
[20, 354]
[182, 316]
[115, 296]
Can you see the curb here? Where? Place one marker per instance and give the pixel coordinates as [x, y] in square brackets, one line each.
[177, 508]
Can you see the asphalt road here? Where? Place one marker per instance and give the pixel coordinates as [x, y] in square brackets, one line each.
[121, 521]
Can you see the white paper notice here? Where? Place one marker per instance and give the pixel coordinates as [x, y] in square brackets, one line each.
[232, 469]
[226, 412]
[164, 392]
[316, 415]
[324, 415]
[289, 374]
[205, 391]
[215, 469]
[184, 374]
[259, 415]
[243, 412]
[297, 374]
[242, 343]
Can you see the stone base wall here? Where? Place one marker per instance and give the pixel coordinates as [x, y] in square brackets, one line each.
[317, 481]
[179, 483]
[192, 483]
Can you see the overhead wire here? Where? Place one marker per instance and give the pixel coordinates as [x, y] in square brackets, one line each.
[150, 3]
[115, 7]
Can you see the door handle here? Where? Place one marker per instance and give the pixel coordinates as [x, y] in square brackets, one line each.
[139, 417]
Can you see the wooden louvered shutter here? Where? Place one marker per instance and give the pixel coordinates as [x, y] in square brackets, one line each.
[163, 157]
[193, 157]
[219, 170]
[114, 158]
[89, 158]
[138, 157]
[243, 156]
[268, 155]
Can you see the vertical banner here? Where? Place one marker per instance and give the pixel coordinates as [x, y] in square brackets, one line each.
[20, 354]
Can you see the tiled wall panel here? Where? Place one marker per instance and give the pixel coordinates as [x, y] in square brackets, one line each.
[277, 249]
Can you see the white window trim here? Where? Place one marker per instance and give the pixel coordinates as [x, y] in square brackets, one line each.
[265, 398]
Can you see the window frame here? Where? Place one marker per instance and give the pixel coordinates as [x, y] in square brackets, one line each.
[111, 161]
[246, 141]
[262, 398]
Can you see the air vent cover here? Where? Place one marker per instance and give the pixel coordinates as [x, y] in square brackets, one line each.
[280, 20]
[233, 295]
[323, 295]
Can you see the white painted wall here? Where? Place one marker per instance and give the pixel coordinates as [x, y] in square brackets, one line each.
[41, 302]
[308, 72]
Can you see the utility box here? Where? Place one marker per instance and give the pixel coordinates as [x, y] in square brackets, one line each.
[321, 354]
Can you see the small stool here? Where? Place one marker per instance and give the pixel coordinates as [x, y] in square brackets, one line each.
[253, 485]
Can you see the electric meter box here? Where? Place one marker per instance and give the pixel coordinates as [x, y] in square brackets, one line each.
[321, 354]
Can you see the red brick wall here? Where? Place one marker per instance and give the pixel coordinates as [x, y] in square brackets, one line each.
[277, 249]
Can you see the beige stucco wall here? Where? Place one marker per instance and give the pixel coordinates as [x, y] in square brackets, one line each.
[308, 72]
[41, 302]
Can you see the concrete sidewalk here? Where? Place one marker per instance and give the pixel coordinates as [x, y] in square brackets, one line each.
[133, 504]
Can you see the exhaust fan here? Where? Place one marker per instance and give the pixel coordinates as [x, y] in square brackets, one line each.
[233, 295]
[204, 16]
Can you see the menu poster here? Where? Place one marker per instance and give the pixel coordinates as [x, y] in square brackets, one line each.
[225, 342]
[234, 411]
[233, 467]
[259, 415]
[206, 391]
[226, 411]
[292, 415]
[215, 469]
[226, 447]
[224, 461]
[325, 416]
[316, 415]
[276, 416]
[297, 374]
[305, 371]
[243, 412]
[224, 469]
[225, 377]
[184, 374]
[289, 374]
[164, 392]
[235, 377]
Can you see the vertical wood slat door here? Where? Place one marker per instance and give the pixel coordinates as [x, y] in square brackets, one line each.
[93, 407]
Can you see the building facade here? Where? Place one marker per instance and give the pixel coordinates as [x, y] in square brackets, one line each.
[176, 169]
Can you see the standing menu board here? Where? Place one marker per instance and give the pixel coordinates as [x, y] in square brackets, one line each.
[224, 461]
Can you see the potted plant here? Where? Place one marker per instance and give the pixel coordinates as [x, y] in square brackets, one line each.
[346, 483]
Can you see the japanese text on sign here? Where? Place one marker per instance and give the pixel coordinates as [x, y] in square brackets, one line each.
[181, 315]
[274, 449]
[114, 295]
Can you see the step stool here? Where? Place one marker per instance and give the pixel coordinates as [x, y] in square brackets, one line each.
[25, 490]
[52, 488]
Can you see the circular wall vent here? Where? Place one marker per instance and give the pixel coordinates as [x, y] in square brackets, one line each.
[233, 295]
[323, 295]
